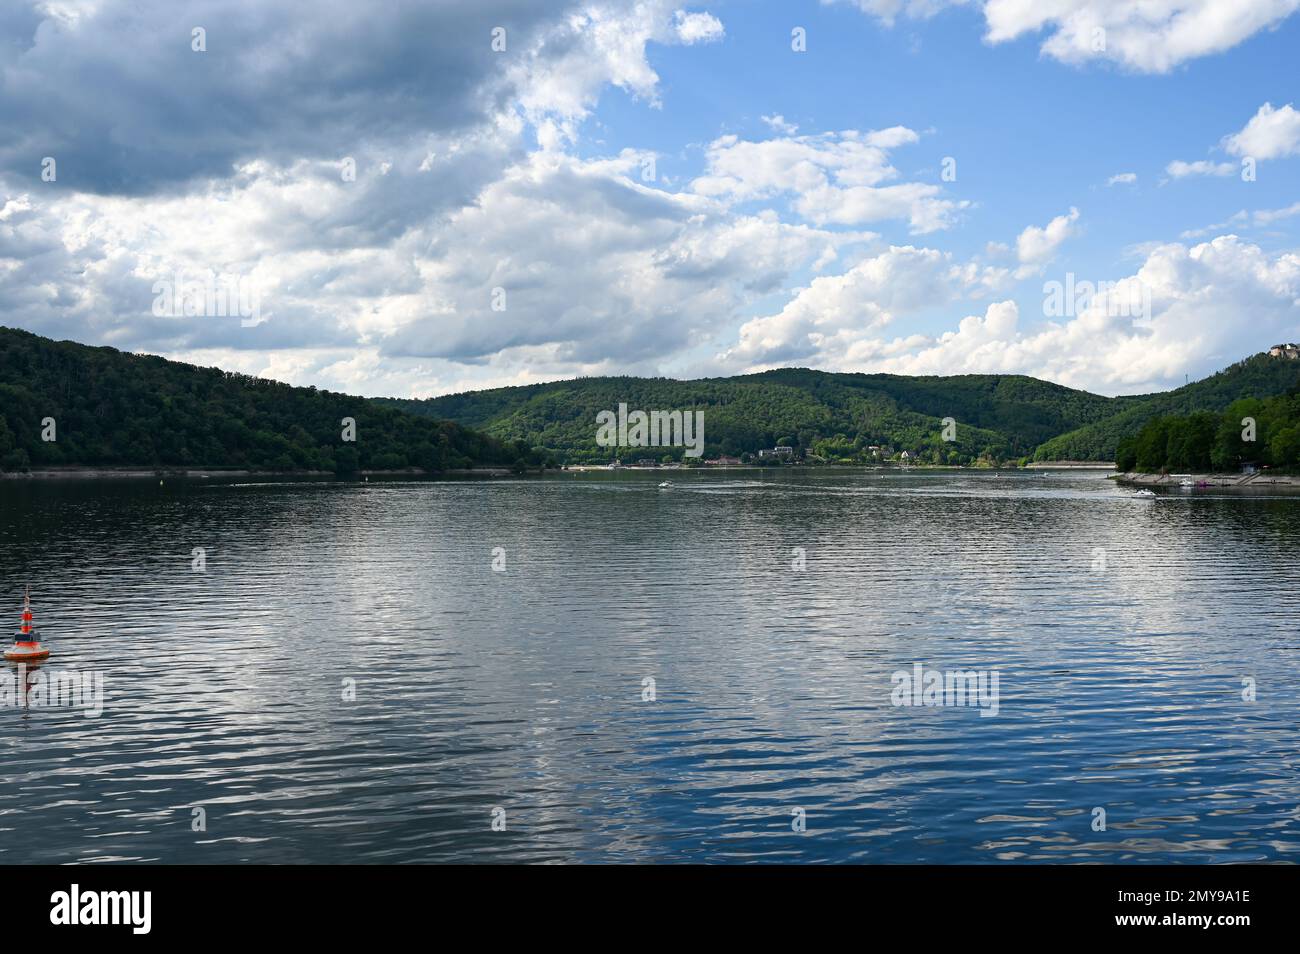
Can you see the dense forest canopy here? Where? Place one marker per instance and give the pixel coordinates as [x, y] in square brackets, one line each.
[1256, 376]
[112, 409]
[840, 417]
[1263, 432]
[831, 416]
[115, 409]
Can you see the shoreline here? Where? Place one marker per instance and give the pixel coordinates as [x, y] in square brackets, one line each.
[211, 473]
[1071, 465]
[1261, 480]
[890, 466]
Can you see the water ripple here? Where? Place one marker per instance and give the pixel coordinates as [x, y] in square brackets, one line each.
[349, 680]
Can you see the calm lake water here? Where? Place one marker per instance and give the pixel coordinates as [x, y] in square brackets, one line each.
[1120, 630]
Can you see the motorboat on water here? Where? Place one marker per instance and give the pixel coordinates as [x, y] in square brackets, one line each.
[665, 485]
[26, 646]
[1144, 493]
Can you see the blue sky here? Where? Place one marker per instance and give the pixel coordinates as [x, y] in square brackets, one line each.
[413, 212]
[1031, 136]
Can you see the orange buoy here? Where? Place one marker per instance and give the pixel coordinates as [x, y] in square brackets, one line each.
[26, 647]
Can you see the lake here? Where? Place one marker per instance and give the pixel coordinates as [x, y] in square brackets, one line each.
[585, 667]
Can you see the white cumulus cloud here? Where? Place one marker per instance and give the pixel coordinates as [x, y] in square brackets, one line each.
[1270, 134]
[1179, 169]
[1207, 305]
[832, 317]
[698, 27]
[843, 178]
[1037, 245]
[1151, 36]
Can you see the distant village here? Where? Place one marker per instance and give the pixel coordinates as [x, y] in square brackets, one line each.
[785, 454]
[768, 456]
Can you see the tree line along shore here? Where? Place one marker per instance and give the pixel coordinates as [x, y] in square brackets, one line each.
[67, 407]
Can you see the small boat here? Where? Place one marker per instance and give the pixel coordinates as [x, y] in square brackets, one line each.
[665, 485]
[26, 647]
[1144, 493]
[1187, 482]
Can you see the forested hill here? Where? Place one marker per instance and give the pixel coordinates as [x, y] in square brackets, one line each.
[1259, 376]
[115, 409]
[1205, 442]
[834, 416]
[112, 409]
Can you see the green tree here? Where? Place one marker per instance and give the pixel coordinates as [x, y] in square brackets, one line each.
[1284, 447]
[1126, 455]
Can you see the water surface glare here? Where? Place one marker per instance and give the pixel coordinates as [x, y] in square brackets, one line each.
[1121, 630]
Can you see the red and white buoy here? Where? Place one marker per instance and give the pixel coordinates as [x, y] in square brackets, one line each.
[26, 647]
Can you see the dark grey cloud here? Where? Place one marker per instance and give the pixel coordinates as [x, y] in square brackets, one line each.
[118, 97]
[173, 164]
